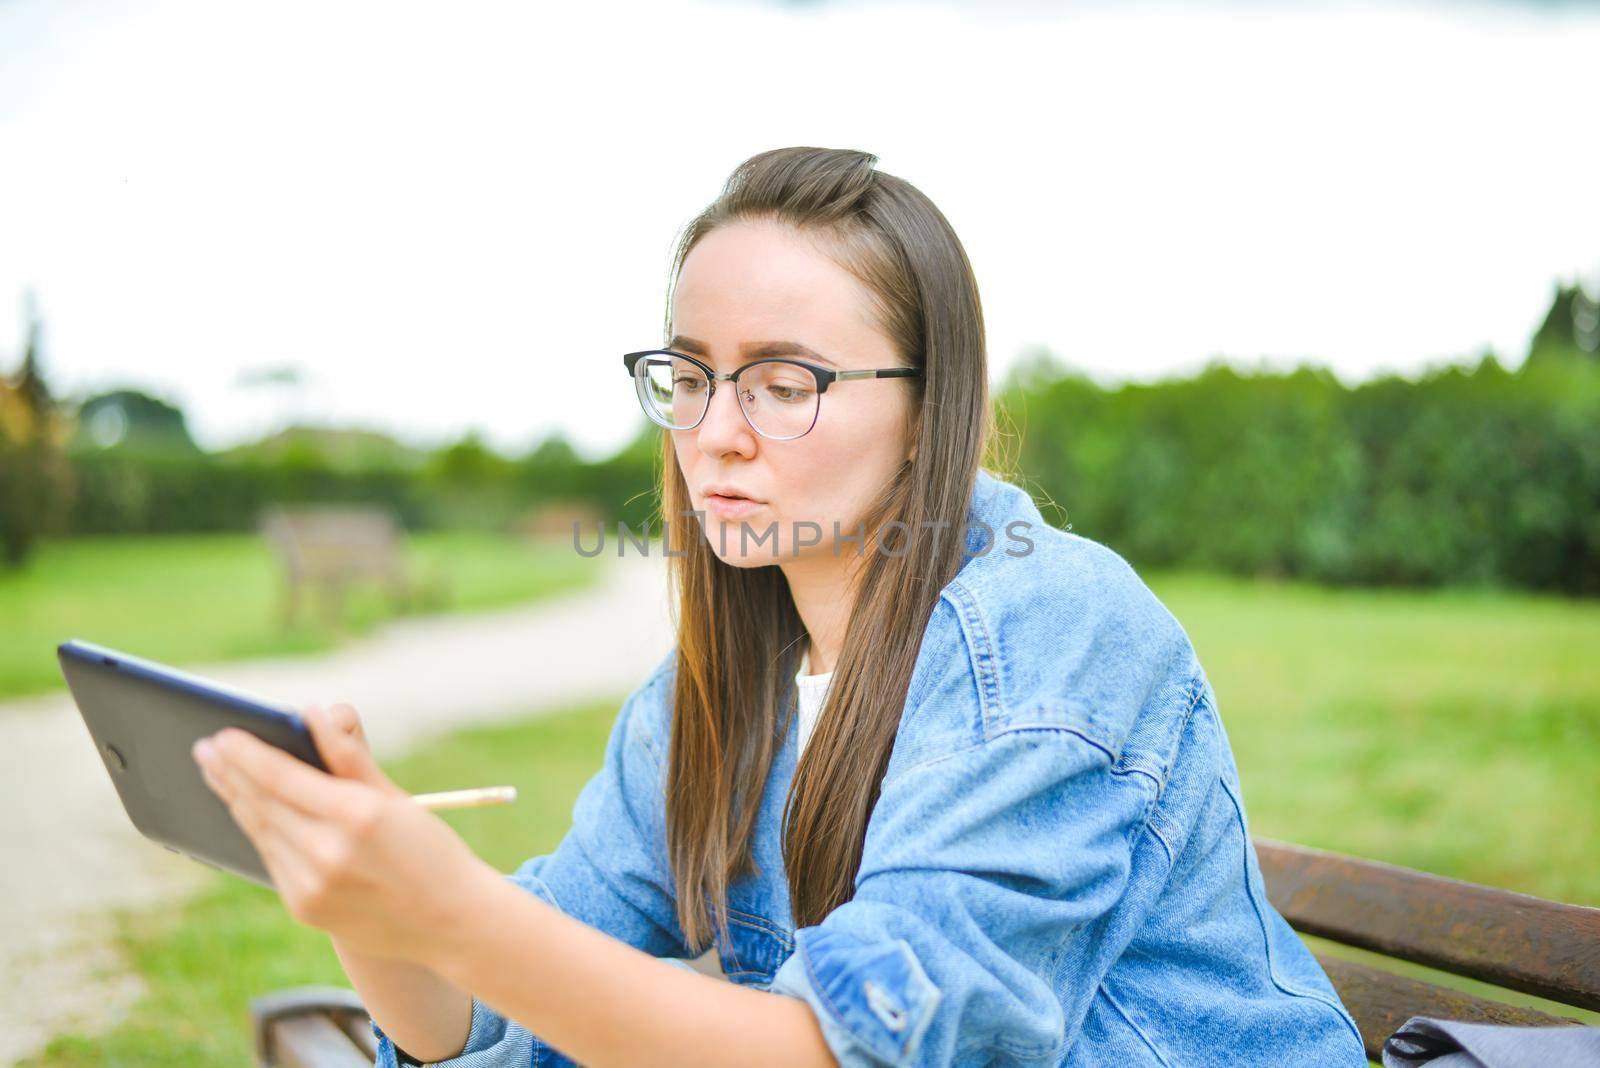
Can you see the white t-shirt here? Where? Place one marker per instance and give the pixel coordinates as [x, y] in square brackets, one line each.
[810, 690]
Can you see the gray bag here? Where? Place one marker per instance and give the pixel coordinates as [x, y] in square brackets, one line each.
[1423, 1040]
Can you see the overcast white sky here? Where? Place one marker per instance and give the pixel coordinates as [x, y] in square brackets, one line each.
[460, 215]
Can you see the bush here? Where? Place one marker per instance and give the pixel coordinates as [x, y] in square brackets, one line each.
[1467, 475]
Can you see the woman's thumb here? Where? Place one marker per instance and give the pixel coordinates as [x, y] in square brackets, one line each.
[344, 753]
[344, 717]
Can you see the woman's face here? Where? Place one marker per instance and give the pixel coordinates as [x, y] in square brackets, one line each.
[745, 286]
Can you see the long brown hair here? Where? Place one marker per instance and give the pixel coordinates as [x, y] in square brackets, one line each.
[738, 630]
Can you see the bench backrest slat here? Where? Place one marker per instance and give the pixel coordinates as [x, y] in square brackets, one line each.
[1381, 1002]
[359, 1027]
[314, 1041]
[321, 541]
[1513, 940]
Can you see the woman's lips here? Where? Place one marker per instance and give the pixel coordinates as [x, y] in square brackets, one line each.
[731, 507]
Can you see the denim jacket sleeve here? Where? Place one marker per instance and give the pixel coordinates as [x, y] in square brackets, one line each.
[610, 871]
[992, 854]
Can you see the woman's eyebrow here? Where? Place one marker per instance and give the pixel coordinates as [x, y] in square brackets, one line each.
[753, 349]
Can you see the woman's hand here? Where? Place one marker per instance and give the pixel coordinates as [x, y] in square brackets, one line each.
[344, 717]
[349, 852]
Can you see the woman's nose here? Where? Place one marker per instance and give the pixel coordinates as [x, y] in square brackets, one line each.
[724, 429]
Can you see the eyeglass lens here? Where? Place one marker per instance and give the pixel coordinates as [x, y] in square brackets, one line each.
[779, 398]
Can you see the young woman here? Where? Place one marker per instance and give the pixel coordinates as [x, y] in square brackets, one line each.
[1002, 822]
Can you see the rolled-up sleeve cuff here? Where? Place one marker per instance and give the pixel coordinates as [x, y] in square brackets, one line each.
[873, 1000]
[488, 1030]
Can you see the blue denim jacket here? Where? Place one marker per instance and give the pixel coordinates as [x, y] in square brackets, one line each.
[1058, 870]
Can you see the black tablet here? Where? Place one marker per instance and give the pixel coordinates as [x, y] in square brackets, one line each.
[144, 718]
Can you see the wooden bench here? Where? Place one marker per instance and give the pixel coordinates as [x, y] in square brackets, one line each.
[313, 1027]
[1511, 940]
[328, 547]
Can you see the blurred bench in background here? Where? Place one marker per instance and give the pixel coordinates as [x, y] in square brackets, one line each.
[560, 522]
[330, 547]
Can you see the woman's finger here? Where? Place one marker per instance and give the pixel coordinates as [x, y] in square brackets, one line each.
[300, 851]
[241, 761]
[272, 814]
[217, 786]
[229, 782]
[345, 753]
[344, 716]
[256, 807]
[316, 826]
[262, 814]
[287, 865]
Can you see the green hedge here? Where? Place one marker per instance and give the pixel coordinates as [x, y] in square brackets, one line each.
[465, 486]
[1468, 475]
[1465, 476]
[122, 492]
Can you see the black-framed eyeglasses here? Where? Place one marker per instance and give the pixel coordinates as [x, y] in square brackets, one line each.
[779, 397]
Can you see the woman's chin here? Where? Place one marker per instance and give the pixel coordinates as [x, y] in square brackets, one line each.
[745, 562]
[741, 544]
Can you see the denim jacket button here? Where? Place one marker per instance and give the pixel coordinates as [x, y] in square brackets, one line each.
[884, 1007]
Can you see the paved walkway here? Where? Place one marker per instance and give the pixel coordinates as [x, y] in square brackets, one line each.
[71, 854]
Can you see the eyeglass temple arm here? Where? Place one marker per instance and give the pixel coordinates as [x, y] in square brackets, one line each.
[884, 372]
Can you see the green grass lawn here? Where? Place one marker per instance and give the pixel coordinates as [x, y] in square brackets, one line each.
[1456, 732]
[189, 599]
[1453, 732]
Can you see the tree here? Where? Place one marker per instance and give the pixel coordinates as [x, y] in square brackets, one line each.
[132, 419]
[1571, 327]
[36, 481]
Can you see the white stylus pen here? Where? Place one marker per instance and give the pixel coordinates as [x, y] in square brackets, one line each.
[482, 795]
